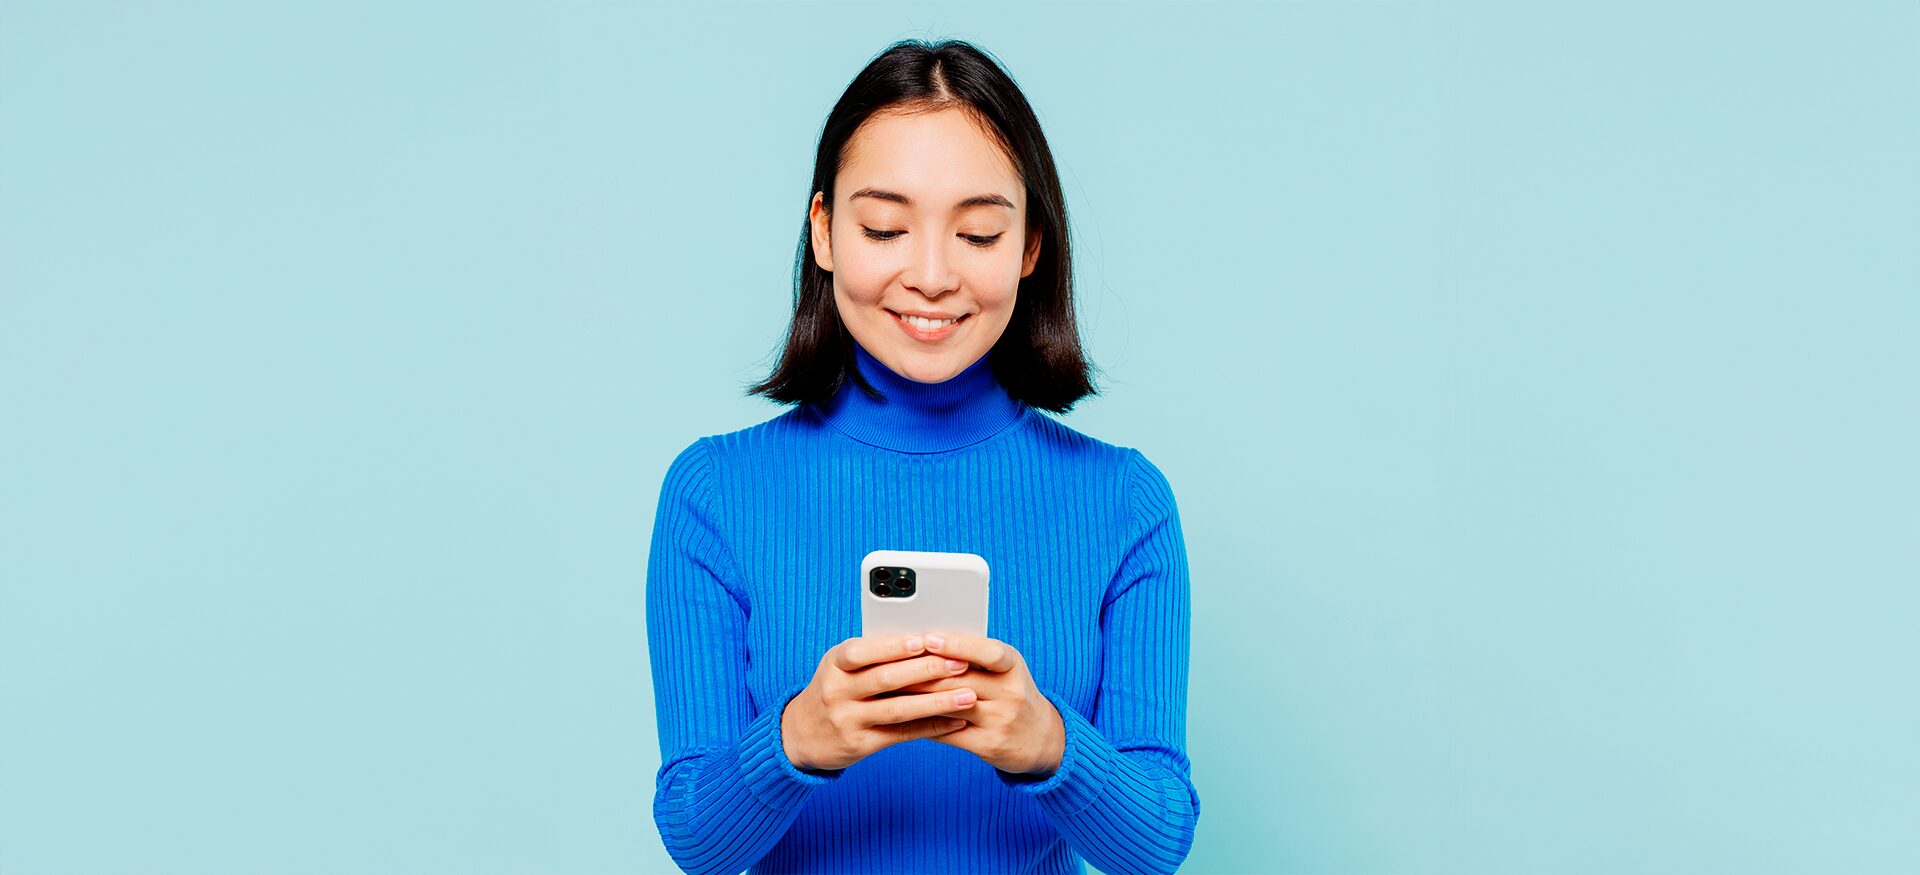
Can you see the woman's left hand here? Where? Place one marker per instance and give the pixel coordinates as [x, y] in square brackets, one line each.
[1014, 727]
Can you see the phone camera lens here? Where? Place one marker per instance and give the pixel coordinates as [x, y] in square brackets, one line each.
[883, 574]
[882, 590]
[903, 586]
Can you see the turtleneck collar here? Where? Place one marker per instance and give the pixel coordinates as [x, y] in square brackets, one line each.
[917, 417]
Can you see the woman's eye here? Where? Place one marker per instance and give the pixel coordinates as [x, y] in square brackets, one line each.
[883, 236]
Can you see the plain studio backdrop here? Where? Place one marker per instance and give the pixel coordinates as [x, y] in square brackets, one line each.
[1538, 386]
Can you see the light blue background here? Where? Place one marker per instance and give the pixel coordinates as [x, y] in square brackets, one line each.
[1538, 388]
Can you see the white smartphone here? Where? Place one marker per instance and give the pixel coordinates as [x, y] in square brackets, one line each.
[907, 592]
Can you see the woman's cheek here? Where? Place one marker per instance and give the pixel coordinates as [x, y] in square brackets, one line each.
[861, 287]
[1002, 295]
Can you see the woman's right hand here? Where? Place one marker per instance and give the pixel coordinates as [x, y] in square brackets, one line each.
[838, 721]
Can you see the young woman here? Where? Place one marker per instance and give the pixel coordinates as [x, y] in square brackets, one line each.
[933, 320]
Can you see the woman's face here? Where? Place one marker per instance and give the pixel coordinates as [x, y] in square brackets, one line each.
[928, 219]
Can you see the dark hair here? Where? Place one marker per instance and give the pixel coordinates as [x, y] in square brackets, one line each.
[1038, 358]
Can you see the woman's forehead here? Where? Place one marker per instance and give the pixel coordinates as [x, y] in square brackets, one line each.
[936, 160]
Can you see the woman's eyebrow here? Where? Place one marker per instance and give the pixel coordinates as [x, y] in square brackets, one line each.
[978, 200]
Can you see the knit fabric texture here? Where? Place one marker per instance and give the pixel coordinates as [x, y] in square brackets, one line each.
[754, 573]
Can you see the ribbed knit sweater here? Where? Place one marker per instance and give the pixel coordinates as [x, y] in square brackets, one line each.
[754, 573]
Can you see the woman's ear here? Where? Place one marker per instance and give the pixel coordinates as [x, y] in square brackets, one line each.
[1032, 256]
[822, 241]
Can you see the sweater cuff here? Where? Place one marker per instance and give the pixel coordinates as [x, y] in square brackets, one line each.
[762, 757]
[1084, 766]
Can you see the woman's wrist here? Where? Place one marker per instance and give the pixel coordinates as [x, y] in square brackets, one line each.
[1052, 750]
[787, 737]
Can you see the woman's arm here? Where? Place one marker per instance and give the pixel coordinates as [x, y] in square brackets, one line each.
[726, 792]
[1123, 795]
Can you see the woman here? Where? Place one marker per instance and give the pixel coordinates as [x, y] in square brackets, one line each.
[933, 320]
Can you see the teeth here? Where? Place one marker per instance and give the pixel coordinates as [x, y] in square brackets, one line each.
[928, 324]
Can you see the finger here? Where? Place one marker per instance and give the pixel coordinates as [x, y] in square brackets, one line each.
[926, 727]
[991, 654]
[985, 684]
[854, 654]
[874, 680]
[902, 709]
[979, 681]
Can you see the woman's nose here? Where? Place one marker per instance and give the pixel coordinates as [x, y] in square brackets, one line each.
[930, 273]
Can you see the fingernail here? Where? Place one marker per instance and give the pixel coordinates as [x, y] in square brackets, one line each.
[955, 665]
[913, 643]
[935, 642]
[963, 697]
[956, 723]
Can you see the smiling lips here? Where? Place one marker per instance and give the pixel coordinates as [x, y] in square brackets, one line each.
[926, 330]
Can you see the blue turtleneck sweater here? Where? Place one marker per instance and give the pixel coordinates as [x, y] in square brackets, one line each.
[754, 574]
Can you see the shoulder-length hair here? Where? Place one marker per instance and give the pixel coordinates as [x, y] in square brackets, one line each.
[1038, 358]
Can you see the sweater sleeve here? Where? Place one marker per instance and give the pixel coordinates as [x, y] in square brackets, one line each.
[1123, 796]
[725, 792]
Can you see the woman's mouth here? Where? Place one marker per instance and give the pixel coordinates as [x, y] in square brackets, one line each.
[927, 330]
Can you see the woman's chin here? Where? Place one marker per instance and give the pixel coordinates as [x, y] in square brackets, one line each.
[927, 366]
[930, 373]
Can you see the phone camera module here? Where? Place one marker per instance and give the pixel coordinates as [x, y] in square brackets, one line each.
[890, 582]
